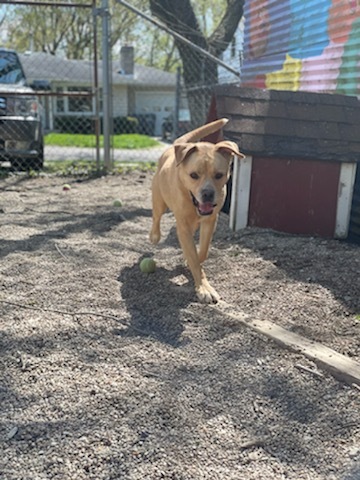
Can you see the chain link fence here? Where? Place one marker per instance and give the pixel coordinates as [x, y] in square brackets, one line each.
[105, 95]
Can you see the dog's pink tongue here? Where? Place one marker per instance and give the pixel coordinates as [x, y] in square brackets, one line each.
[205, 208]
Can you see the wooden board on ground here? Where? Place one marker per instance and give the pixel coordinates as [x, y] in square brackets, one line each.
[340, 366]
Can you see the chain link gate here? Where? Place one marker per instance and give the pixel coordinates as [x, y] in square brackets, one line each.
[115, 95]
[42, 93]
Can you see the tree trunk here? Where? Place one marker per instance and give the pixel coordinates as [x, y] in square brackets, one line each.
[200, 73]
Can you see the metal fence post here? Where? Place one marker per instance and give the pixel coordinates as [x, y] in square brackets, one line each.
[97, 120]
[106, 83]
[177, 103]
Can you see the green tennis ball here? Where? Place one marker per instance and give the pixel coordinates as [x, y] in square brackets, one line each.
[66, 187]
[117, 203]
[147, 265]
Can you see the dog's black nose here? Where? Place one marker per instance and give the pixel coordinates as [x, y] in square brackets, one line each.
[208, 195]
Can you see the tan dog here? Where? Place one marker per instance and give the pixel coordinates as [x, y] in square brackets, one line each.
[191, 181]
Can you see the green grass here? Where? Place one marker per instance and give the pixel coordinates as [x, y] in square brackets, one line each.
[129, 140]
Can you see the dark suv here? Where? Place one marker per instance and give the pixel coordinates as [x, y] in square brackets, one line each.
[21, 135]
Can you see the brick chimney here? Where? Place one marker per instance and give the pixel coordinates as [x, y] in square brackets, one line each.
[127, 60]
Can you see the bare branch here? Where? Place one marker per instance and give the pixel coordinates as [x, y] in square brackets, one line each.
[221, 37]
[180, 17]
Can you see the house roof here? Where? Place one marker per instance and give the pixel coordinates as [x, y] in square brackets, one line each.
[291, 124]
[43, 66]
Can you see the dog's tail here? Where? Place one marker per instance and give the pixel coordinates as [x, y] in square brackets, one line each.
[203, 131]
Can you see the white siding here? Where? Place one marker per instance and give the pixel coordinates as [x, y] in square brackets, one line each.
[120, 101]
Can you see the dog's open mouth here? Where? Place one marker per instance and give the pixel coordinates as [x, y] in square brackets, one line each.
[205, 208]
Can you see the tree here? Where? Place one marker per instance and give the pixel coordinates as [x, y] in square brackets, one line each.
[30, 27]
[69, 31]
[200, 72]
[2, 19]
[66, 30]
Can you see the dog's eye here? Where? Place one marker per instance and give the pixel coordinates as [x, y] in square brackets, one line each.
[194, 176]
[219, 175]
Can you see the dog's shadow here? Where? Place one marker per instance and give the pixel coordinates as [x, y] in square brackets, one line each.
[154, 301]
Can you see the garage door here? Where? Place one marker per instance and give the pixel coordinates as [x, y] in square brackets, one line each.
[160, 104]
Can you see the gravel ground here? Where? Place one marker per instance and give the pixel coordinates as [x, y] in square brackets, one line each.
[109, 373]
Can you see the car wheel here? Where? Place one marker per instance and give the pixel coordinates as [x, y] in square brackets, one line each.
[36, 163]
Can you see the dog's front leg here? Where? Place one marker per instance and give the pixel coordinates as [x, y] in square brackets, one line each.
[159, 208]
[207, 228]
[204, 290]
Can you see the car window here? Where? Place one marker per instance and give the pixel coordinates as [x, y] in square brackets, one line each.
[10, 69]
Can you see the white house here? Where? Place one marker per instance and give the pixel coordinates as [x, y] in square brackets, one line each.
[136, 89]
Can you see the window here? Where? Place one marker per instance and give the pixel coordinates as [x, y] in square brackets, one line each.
[72, 103]
[80, 104]
[10, 68]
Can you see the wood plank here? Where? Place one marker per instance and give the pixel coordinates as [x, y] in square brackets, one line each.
[341, 367]
[345, 195]
[240, 196]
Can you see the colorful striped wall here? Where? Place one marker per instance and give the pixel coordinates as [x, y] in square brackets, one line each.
[311, 45]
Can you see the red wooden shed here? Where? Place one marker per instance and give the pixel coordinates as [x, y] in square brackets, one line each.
[301, 153]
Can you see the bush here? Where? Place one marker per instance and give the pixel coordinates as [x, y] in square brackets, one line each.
[73, 124]
[126, 125]
[146, 123]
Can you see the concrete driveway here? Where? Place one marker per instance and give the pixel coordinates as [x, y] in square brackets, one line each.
[55, 153]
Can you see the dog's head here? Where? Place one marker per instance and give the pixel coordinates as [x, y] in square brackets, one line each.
[204, 169]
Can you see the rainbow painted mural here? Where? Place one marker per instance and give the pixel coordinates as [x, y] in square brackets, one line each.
[311, 45]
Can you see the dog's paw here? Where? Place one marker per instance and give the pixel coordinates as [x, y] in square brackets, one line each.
[207, 294]
[154, 237]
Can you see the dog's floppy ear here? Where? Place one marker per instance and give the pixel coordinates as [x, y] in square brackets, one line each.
[230, 148]
[183, 150]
